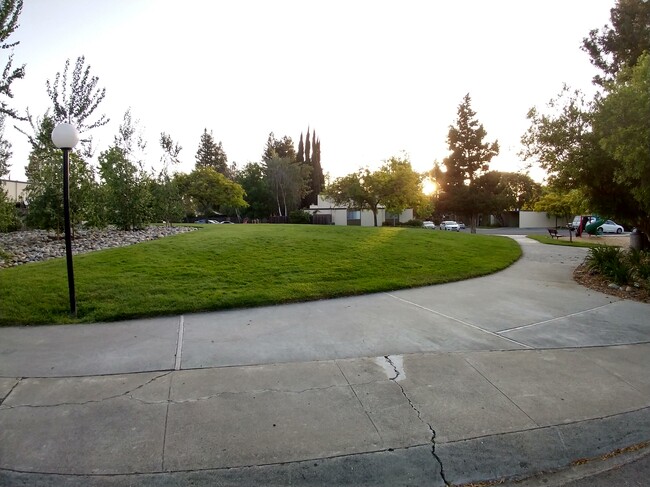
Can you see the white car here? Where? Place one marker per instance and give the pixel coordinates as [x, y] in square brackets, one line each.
[429, 225]
[450, 225]
[610, 227]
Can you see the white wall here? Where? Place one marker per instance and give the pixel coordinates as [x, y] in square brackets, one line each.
[15, 189]
[538, 219]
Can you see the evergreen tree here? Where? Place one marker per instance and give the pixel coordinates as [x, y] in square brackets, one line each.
[469, 158]
[9, 12]
[300, 157]
[307, 149]
[211, 154]
[282, 148]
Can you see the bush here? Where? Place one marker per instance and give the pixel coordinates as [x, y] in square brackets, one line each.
[612, 262]
[299, 217]
[413, 223]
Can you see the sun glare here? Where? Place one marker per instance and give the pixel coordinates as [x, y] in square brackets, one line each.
[428, 187]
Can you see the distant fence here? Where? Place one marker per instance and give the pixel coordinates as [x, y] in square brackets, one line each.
[322, 219]
[278, 219]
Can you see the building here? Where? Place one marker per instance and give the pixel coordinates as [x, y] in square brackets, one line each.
[16, 190]
[342, 215]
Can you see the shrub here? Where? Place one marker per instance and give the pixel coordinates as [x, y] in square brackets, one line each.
[612, 262]
[413, 223]
[299, 216]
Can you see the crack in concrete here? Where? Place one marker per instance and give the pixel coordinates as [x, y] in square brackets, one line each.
[18, 381]
[419, 414]
[90, 401]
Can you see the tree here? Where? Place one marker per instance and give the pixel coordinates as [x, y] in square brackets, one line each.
[167, 204]
[564, 143]
[619, 46]
[125, 183]
[5, 148]
[75, 102]
[282, 148]
[258, 194]
[45, 189]
[206, 190]
[563, 204]
[286, 182]
[622, 126]
[470, 157]
[395, 185]
[9, 13]
[314, 171]
[211, 154]
[300, 157]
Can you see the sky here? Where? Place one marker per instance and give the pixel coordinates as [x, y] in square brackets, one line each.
[373, 78]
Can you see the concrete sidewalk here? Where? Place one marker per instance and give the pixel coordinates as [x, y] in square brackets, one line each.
[501, 376]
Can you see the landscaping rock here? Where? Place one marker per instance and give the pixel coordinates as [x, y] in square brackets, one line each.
[23, 247]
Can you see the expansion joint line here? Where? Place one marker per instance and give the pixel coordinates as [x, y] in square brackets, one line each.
[417, 411]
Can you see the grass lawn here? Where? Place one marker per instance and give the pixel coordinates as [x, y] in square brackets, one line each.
[547, 239]
[234, 266]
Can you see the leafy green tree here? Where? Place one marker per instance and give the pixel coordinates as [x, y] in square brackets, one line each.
[620, 45]
[167, 203]
[564, 143]
[258, 195]
[45, 189]
[622, 126]
[126, 186]
[286, 180]
[8, 213]
[9, 12]
[5, 148]
[563, 204]
[75, 100]
[206, 190]
[211, 154]
[402, 185]
[470, 157]
[395, 185]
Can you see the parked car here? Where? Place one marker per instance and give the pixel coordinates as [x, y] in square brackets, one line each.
[450, 225]
[610, 227]
[429, 225]
[576, 221]
[461, 225]
[226, 222]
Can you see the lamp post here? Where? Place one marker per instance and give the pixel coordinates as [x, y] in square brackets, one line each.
[65, 136]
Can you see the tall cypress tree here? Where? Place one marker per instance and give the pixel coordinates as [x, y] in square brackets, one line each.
[307, 149]
[300, 157]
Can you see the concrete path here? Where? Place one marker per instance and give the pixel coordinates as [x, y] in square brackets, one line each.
[500, 376]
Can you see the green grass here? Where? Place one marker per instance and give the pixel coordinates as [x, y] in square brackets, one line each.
[547, 239]
[234, 266]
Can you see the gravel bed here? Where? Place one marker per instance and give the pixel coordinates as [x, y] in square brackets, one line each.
[23, 247]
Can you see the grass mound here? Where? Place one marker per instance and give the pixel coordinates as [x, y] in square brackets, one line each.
[234, 266]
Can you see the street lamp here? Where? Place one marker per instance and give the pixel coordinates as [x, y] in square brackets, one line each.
[65, 136]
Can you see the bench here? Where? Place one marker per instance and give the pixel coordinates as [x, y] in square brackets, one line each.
[553, 233]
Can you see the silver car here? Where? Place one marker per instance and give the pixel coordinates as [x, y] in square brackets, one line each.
[450, 225]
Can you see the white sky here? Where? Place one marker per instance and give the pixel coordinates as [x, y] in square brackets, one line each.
[374, 78]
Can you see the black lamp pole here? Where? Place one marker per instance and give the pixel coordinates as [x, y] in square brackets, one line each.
[68, 236]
